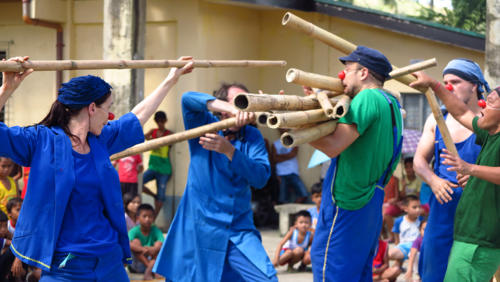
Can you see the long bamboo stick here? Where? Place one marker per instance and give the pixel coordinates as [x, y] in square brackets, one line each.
[298, 137]
[174, 138]
[294, 119]
[346, 47]
[11, 66]
[262, 117]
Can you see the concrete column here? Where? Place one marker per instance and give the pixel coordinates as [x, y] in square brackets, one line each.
[124, 27]
[492, 56]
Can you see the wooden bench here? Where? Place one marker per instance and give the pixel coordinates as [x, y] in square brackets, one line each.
[286, 212]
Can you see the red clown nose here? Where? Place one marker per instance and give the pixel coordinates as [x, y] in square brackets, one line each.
[449, 87]
[481, 103]
[111, 116]
[341, 75]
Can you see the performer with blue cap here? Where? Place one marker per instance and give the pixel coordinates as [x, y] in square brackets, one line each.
[213, 237]
[464, 79]
[71, 223]
[366, 146]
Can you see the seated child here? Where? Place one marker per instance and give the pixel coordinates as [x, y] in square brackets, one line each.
[293, 246]
[6, 256]
[406, 230]
[381, 261]
[415, 249]
[131, 202]
[8, 187]
[145, 241]
[316, 190]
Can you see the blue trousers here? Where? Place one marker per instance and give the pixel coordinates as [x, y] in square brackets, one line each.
[238, 268]
[161, 183]
[345, 241]
[108, 267]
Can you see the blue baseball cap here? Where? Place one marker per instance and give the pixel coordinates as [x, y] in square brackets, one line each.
[371, 59]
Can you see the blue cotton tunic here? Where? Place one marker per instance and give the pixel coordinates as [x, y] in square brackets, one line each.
[215, 208]
[85, 213]
[48, 152]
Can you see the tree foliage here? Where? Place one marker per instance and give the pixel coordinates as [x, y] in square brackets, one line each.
[466, 14]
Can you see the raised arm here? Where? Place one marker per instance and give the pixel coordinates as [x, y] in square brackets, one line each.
[145, 109]
[456, 107]
[11, 80]
[425, 151]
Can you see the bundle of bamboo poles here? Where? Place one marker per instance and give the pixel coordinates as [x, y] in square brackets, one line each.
[294, 22]
[308, 117]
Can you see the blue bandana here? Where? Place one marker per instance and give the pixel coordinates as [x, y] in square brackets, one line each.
[468, 70]
[82, 91]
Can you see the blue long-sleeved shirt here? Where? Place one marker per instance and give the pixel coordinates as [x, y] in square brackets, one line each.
[216, 206]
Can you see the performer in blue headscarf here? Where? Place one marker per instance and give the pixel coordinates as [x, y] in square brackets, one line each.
[71, 223]
[212, 237]
[466, 81]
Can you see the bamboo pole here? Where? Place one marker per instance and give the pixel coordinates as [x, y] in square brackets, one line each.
[174, 138]
[330, 83]
[298, 137]
[314, 80]
[347, 47]
[342, 106]
[325, 104]
[11, 66]
[249, 102]
[294, 119]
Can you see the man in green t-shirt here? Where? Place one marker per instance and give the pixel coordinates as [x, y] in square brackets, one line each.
[475, 254]
[366, 146]
[145, 241]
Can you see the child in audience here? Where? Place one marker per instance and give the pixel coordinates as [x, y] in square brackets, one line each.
[131, 202]
[411, 182]
[13, 209]
[406, 229]
[128, 169]
[145, 241]
[293, 246]
[316, 190]
[8, 187]
[6, 256]
[390, 208]
[414, 251]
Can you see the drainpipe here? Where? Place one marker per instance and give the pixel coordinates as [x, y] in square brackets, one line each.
[59, 41]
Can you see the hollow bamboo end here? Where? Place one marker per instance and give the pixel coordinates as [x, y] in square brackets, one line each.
[241, 101]
[272, 122]
[286, 18]
[291, 75]
[287, 140]
[262, 119]
[339, 111]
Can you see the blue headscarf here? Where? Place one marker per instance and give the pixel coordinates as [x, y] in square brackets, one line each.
[82, 91]
[470, 71]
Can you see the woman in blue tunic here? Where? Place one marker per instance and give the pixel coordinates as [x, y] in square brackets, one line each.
[71, 223]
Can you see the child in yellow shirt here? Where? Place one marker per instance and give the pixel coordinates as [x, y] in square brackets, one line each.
[8, 187]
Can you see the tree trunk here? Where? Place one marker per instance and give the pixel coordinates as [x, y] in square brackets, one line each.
[492, 59]
[123, 38]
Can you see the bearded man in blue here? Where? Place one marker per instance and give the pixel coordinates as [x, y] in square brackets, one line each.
[213, 237]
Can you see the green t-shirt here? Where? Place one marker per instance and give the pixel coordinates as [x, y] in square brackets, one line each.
[362, 163]
[154, 236]
[477, 219]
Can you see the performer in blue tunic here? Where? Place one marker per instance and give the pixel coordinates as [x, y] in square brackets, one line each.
[467, 83]
[212, 237]
[367, 145]
[71, 223]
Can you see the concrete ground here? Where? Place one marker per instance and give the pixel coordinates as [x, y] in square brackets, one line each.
[270, 240]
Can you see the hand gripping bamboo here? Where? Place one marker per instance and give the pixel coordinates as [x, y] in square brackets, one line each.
[174, 138]
[346, 47]
[11, 66]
